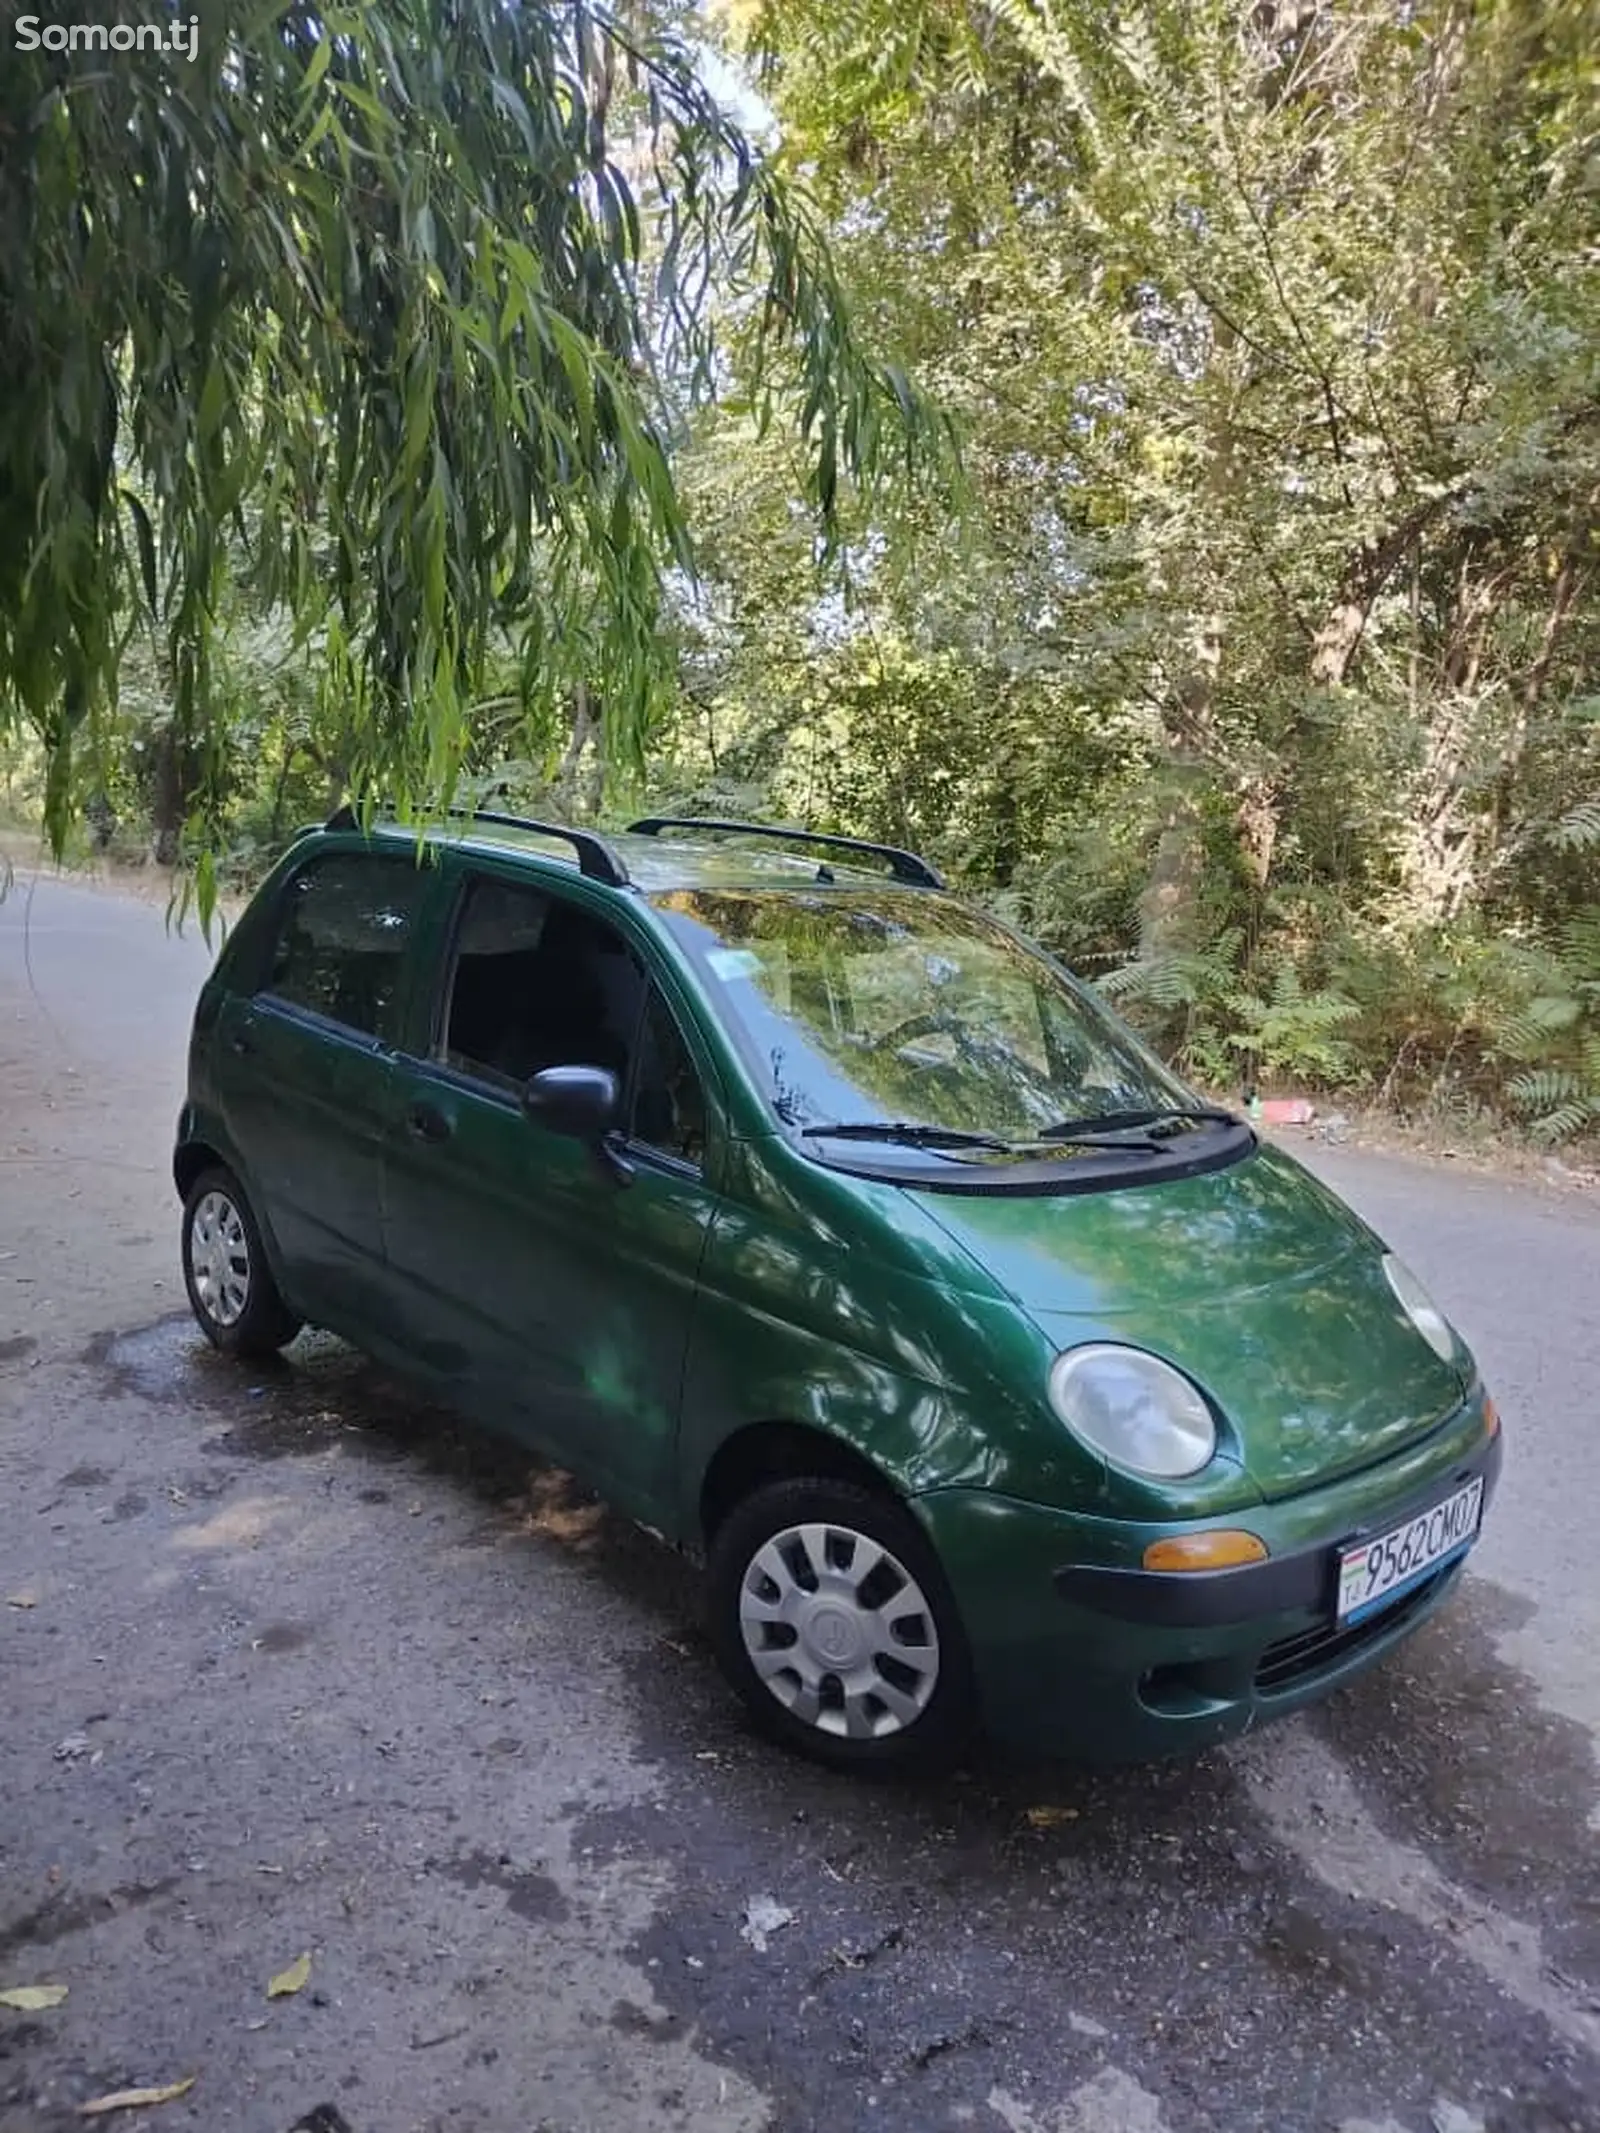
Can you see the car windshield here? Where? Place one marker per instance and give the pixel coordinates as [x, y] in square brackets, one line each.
[889, 1005]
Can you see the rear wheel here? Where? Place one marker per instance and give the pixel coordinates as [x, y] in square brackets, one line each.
[231, 1289]
[832, 1618]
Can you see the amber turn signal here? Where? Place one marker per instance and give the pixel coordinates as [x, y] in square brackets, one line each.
[1220, 1550]
[1491, 1417]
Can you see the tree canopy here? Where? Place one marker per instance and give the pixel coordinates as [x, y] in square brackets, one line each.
[1264, 679]
[385, 312]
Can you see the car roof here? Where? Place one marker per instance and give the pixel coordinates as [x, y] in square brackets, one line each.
[654, 865]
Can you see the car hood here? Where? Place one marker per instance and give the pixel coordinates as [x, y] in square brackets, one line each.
[1255, 1280]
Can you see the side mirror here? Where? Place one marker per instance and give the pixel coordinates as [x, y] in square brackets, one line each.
[581, 1102]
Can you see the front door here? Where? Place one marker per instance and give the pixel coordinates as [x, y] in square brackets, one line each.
[552, 1295]
[305, 1076]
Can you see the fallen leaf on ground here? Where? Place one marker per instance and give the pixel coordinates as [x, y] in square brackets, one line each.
[290, 1980]
[1051, 1817]
[763, 1915]
[28, 1999]
[135, 2099]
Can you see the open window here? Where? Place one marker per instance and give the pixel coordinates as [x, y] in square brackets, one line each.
[537, 982]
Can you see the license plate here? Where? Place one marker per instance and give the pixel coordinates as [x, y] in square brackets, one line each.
[1376, 1570]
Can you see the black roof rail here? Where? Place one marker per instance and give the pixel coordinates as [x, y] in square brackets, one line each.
[904, 866]
[595, 857]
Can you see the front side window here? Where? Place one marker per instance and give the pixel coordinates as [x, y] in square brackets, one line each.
[343, 929]
[535, 983]
[893, 1004]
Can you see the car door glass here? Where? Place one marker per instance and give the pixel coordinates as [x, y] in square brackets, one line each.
[536, 982]
[340, 946]
[669, 1108]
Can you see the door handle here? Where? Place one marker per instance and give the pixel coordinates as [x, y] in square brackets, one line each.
[425, 1122]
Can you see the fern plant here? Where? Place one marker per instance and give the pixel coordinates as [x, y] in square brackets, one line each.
[1289, 1029]
[1556, 1037]
[1579, 828]
[1293, 1031]
[1187, 991]
[1561, 1102]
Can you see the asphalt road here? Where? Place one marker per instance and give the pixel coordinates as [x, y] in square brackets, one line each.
[289, 1665]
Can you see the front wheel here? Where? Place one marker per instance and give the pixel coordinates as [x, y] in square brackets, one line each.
[231, 1289]
[833, 1620]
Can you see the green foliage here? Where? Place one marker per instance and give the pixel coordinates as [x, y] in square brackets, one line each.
[350, 302]
[1261, 676]
[1187, 996]
[1579, 828]
[1292, 1032]
[1562, 1103]
[1558, 1032]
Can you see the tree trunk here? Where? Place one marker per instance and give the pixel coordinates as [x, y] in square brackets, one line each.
[1369, 571]
[169, 797]
[1440, 850]
[586, 733]
[1006, 848]
[1256, 825]
[1169, 908]
[1569, 577]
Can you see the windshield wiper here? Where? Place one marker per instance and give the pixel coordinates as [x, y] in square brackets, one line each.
[1159, 1125]
[904, 1131]
[1105, 1130]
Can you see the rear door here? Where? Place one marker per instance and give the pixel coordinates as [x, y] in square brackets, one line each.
[552, 1294]
[306, 1073]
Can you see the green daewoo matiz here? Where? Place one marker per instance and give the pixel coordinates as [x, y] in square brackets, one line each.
[830, 1229]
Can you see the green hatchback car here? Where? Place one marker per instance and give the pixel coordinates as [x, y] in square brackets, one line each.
[838, 1235]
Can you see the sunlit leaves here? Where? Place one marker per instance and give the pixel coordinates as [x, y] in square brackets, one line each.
[350, 305]
[1272, 333]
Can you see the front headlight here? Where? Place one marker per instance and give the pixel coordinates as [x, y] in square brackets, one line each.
[1420, 1308]
[1133, 1409]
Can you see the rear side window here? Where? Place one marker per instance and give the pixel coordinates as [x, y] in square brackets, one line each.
[343, 930]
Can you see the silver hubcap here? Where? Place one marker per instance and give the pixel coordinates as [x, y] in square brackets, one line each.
[839, 1631]
[219, 1258]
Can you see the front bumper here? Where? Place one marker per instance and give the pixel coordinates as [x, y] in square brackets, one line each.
[1079, 1651]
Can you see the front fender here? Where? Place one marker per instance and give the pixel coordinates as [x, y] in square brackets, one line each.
[893, 1353]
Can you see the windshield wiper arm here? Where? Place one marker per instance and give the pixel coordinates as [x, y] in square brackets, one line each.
[1159, 1125]
[905, 1131]
[1104, 1130]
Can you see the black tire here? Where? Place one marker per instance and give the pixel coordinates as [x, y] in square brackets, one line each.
[880, 1682]
[241, 1312]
